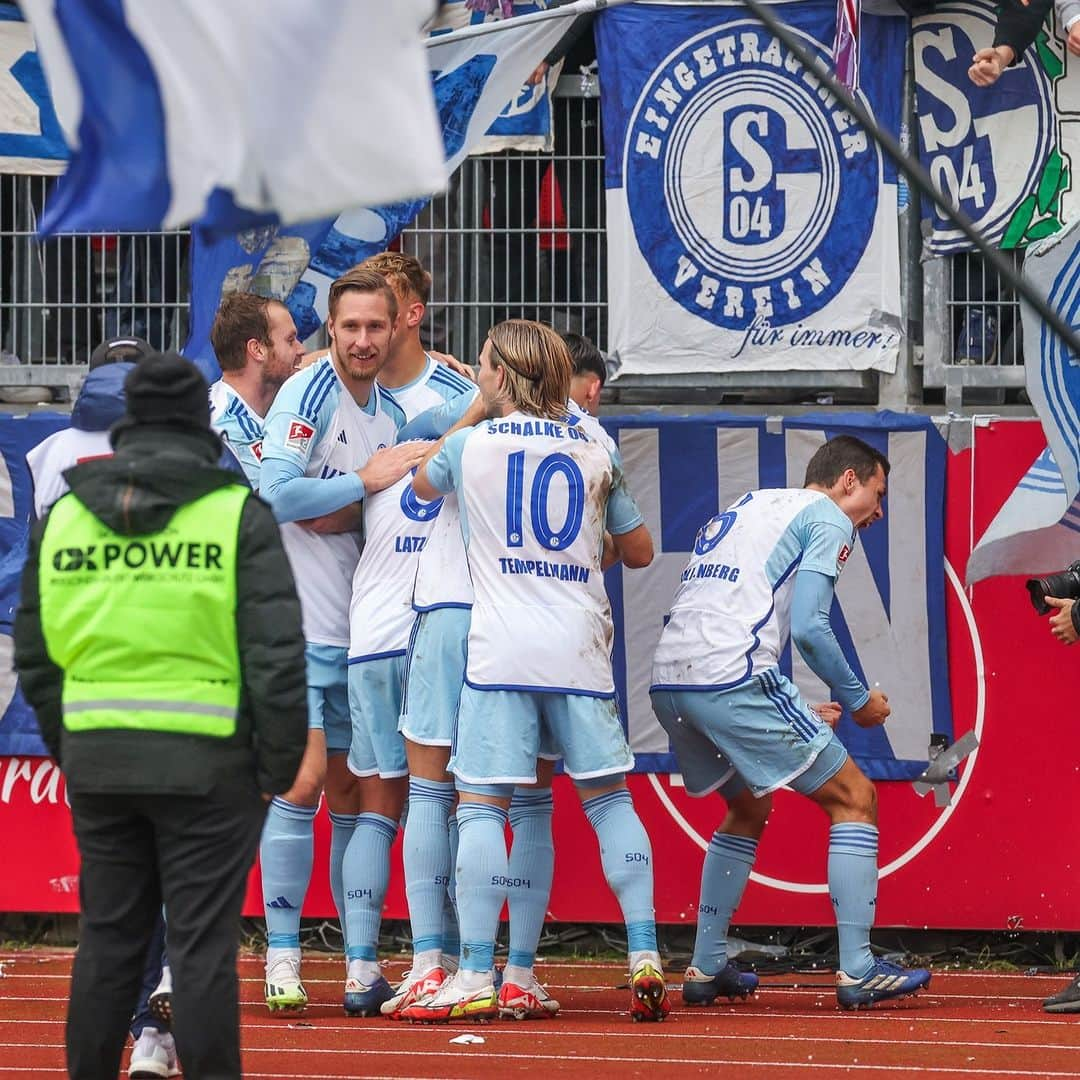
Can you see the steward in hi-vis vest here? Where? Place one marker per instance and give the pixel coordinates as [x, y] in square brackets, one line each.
[159, 642]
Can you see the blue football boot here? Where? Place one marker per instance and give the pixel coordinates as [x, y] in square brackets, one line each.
[701, 989]
[883, 982]
[361, 1000]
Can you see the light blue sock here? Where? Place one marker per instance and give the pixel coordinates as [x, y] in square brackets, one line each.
[341, 830]
[451, 931]
[366, 874]
[481, 869]
[723, 879]
[532, 864]
[286, 852]
[426, 855]
[853, 878]
[626, 856]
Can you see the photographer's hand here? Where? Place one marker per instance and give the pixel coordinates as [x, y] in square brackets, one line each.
[1061, 622]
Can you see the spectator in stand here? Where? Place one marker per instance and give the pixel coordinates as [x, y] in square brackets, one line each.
[1018, 25]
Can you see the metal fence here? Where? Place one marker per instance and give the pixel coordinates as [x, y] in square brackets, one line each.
[60, 297]
[515, 235]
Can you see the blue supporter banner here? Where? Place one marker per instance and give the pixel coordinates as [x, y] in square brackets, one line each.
[525, 123]
[999, 152]
[18, 728]
[889, 614]
[890, 607]
[30, 137]
[751, 223]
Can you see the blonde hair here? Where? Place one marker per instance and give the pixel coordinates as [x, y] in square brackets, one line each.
[363, 281]
[537, 365]
[403, 273]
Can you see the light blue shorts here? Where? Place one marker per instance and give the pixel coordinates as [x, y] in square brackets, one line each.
[500, 734]
[434, 675]
[328, 694]
[760, 735]
[375, 703]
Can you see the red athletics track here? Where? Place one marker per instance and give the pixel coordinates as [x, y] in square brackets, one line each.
[970, 1024]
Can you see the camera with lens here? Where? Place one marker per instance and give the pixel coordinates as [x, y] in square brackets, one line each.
[1065, 585]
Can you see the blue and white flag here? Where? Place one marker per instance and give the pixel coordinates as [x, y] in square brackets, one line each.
[1037, 531]
[525, 122]
[472, 79]
[751, 224]
[889, 612]
[236, 113]
[30, 137]
[996, 151]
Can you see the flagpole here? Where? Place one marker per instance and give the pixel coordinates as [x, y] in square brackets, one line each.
[919, 177]
[579, 7]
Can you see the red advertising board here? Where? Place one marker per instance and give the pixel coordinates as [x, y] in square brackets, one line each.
[1000, 856]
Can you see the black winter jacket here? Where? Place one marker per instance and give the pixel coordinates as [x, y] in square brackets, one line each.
[154, 472]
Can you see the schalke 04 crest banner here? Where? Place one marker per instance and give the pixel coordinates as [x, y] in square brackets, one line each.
[752, 225]
[998, 152]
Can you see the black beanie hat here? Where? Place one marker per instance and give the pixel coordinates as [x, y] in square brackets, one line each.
[166, 389]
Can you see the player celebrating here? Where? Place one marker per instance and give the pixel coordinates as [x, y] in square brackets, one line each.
[396, 527]
[324, 449]
[535, 497]
[256, 346]
[764, 569]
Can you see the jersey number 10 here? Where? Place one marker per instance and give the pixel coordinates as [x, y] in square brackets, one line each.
[551, 466]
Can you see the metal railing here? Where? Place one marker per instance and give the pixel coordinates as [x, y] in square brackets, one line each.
[61, 297]
[516, 234]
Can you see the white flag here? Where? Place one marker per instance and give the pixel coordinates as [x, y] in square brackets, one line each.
[199, 110]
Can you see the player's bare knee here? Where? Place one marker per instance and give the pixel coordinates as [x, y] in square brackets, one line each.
[747, 816]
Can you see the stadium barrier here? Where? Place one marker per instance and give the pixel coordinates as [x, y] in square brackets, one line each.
[990, 859]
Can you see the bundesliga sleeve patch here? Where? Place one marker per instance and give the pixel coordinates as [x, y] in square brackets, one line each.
[842, 558]
[256, 449]
[300, 436]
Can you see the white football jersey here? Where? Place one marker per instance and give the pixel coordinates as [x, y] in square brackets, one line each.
[442, 578]
[437, 384]
[315, 422]
[240, 428]
[53, 456]
[442, 574]
[397, 525]
[731, 617]
[535, 500]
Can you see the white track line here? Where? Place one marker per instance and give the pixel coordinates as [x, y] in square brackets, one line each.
[563, 1035]
[640, 1060]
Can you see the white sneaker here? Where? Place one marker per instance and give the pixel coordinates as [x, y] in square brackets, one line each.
[526, 1000]
[154, 1056]
[453, 1002]
[284, 990]
[411, 990]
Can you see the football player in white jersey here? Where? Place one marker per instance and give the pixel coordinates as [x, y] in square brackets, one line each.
[418, 382]
[590, 373]
[536, 495]
[328, 443]
[414, 376]
[435, 674]
[255, 342]
[396, 527]
[762, 571]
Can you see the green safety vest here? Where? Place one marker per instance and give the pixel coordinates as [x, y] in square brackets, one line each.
[144, 627]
